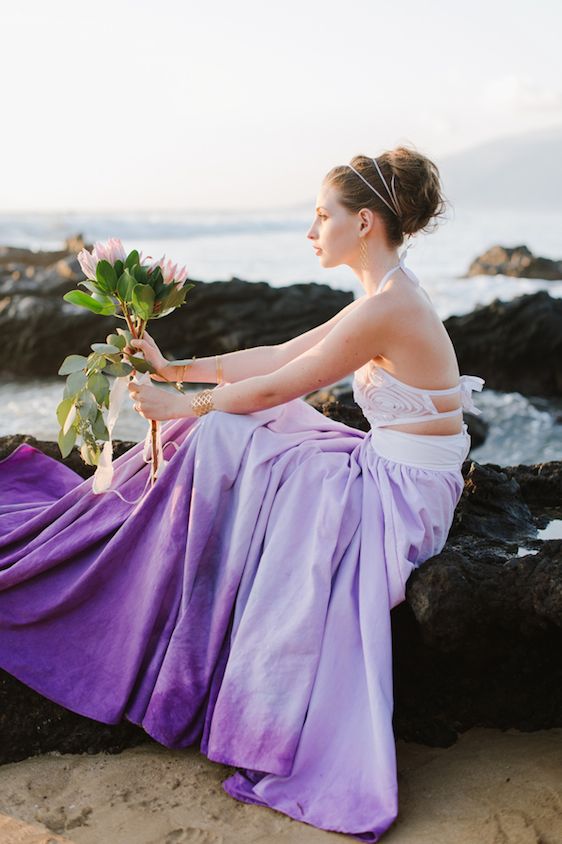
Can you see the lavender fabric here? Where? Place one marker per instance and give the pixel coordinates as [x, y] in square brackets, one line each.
[243, 603]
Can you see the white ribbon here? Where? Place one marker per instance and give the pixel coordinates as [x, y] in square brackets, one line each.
[104, 472]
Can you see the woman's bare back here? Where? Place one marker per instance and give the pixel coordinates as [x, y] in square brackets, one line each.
[422, 355]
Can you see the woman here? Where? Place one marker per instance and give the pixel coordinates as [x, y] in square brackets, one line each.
[244, 602]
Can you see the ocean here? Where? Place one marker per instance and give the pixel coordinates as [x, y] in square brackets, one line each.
[271, 245]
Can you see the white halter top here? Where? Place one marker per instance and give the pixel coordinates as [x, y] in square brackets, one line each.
[385, 400]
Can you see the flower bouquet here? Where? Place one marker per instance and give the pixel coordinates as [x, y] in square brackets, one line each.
[129, 288]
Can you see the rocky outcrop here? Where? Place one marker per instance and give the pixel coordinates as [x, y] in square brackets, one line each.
[479, 637]
[477, 641]
[38, 329]
[517, 262]
[514, 346]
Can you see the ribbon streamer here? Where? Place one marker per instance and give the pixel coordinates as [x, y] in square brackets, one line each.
[104, 471]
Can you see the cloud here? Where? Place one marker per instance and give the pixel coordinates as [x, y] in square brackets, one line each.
[521, 92]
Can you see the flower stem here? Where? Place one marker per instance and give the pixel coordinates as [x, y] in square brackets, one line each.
[137, 332]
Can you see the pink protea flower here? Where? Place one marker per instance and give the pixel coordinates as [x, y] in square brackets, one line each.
[148, 258]
[170, 272]
[112, 251]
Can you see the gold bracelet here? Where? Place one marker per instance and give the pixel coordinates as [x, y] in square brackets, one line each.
[219, 369]
[202, 402]
[179, 382]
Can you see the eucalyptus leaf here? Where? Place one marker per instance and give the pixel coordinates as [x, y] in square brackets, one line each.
[66, 441]
[118, 369]
[98, 384]
[74, 383]
[141, 365]
[72, 363]
[90, 455]
[116, 340]
[88, 406]
[63, 409]
[124, 332]
[105, 349]
[99, 428]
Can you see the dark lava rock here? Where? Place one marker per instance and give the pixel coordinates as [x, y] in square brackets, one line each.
[476, 643]
[38, 329]
[514, 346]
[479, 637]
[518, 262]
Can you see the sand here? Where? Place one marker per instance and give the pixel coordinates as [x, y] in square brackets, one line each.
[491, 787]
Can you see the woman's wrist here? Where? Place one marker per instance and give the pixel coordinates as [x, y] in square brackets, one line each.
[195, 404]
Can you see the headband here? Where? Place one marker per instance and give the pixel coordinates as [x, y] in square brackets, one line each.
[393, 198]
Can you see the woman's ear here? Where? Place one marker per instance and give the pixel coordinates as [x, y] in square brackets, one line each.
[365, 219]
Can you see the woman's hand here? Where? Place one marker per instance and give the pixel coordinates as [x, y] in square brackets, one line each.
[151, 353]
[155, 403]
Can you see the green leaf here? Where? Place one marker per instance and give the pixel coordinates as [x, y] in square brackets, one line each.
[88, 406]
[141, 365]
[74, 383]
[185, 362]
[90, 454]
[117, 369]
[106, 276]
[72, 363]
[98, 384]
[116, 340]
[78, 297]
[132, 259]
[156, 277]
[90, 285]
[119, 267]
[63, 410]
[99, 428]
[66, 441]
[105, 349]
[143, 300]
[124, 332]
[140, 274]
[106, 302]
[125, 285]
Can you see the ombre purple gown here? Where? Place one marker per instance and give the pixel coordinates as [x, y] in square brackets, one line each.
[242, 604]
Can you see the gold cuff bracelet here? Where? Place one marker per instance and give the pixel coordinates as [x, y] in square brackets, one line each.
[202, 402]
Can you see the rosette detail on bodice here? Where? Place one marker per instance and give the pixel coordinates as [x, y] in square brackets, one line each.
[385, 400]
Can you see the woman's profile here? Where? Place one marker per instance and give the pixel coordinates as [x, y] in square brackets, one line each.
[243, 603]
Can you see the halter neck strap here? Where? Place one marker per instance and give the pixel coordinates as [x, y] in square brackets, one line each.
[400, 265]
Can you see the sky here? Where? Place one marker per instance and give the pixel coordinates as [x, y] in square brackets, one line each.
[139, 105]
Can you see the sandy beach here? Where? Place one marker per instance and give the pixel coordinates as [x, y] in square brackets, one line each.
[490, 787]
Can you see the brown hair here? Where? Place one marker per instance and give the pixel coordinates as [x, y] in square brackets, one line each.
[416, 184]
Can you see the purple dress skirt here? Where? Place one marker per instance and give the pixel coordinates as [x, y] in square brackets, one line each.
[242, 603]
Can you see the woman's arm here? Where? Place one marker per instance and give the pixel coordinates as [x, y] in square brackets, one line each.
[259, 360]
[290, 350]
[359, 335]
[245, 363]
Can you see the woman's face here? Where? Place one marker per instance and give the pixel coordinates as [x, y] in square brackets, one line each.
[334, 231]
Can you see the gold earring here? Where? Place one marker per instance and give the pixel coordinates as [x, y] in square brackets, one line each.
[363, 253]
